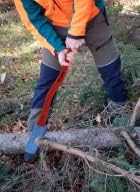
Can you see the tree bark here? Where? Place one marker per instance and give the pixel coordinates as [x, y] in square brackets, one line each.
[96, 137]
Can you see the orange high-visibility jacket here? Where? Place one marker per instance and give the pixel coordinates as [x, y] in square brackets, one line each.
[39, 16]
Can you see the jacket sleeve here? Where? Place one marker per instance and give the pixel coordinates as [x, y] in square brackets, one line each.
[81, 15]
[32, 15]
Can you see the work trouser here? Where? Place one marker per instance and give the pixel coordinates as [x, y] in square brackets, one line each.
[107, 59]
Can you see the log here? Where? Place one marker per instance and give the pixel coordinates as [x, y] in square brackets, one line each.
[98, 138]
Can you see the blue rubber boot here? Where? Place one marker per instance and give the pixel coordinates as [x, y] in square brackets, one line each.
[32, 148]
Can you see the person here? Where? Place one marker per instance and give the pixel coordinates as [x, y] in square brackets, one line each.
[60, 25]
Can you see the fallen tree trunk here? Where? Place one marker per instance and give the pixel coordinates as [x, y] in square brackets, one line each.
[96, 137]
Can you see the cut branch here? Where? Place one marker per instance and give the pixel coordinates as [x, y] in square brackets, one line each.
[97, 161]
[130, 142]
[134, 114]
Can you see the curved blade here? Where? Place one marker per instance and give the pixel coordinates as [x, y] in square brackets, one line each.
[48, 100]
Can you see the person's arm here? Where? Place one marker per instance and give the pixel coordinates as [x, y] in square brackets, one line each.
[32, 15]
[81, 15]
[77, 30]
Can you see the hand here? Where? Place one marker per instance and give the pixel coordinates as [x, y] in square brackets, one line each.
[74, 43]
[66, 57]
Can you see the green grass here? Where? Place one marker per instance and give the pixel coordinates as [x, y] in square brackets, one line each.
[17, 59]
[82, 89]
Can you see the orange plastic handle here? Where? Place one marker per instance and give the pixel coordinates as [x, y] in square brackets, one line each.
[51, 93]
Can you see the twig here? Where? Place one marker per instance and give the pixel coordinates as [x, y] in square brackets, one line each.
[134, 114]
[130, 142]
[83, 155]
[100, 172]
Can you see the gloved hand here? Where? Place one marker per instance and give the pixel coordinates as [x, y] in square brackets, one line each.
[74, 43]
[66, 57]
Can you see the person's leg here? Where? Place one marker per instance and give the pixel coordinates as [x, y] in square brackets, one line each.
[49, 71]
[107, 58]
[48, 74]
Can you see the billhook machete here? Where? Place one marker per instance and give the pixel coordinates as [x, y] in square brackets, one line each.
[49, 97]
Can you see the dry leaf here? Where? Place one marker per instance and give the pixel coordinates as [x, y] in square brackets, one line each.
[2, 77]
[6, 158]
[16, 129]
[98, 118]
